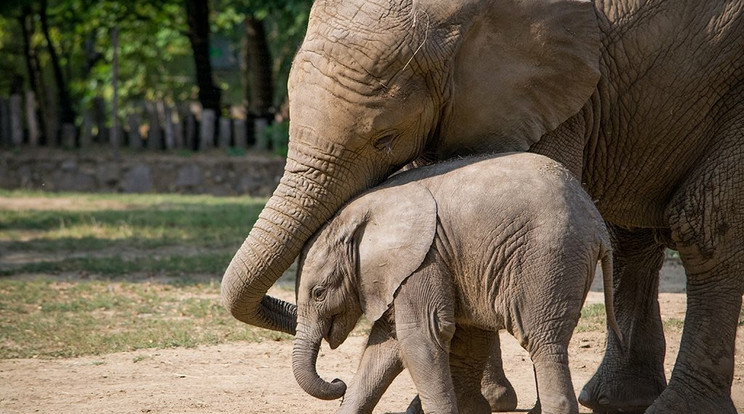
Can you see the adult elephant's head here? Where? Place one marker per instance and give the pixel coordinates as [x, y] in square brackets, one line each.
[378, 83]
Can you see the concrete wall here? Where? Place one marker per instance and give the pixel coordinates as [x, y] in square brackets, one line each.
[215, 173]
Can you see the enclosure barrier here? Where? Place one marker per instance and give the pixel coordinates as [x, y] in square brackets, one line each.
[147, 125]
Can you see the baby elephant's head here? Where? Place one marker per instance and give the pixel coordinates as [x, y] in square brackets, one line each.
[327, 291]
[354, 265]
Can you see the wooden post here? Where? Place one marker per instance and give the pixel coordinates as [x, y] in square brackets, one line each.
[99, 117]
[135, 138]
[170, 141]
[4, 122]
[206, 129]
[225, 132]
[241, 139]
[86, 135]
[177, 127]
[154, 135]
[52, 121]
[32, 120]
[115, 99]
[262, 138]
[189, 123]
[68, 135]
[16, 120]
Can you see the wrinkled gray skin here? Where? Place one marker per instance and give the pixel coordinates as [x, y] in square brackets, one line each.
[505, 242]
[643, 101]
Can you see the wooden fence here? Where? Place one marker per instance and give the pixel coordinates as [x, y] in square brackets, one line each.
[148, 125]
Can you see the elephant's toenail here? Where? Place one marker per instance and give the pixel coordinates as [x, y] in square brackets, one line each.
[604, 400]
[584, 396]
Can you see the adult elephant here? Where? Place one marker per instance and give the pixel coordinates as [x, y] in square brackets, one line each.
[644, 100]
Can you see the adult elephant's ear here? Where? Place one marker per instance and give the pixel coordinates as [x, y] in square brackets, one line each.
[397, 233]
[522, 67]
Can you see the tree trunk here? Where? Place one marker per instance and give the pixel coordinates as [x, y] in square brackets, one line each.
[16, 120]
[32, 119]
[115, 98]
[257, 77]
[197, 16]
[66, 111]
[35, 80]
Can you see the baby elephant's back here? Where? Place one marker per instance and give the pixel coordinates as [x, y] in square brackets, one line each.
[515, 194]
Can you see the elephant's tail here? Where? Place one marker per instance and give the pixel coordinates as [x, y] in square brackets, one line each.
[606, 258]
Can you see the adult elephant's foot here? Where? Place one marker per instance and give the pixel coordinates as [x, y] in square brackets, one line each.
[501, 397]
[610, 392]
[631, 375]
[674, 400]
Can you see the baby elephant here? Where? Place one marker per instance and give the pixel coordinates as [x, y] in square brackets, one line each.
[508, 242]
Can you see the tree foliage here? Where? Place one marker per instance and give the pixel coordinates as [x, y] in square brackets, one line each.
[155, 57]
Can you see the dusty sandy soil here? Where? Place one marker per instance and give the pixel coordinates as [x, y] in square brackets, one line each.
[257, 378]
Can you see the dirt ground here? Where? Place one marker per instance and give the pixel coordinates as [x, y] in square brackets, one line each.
[257, 377]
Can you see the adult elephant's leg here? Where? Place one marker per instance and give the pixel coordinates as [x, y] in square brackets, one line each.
[707, 221]
[630, 380]
[495, 386]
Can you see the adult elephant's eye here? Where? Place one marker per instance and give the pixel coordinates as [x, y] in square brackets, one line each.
[385, 142]
[318, 293]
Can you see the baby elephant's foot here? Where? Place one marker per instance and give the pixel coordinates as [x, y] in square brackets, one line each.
[501, 397]
[471, 406]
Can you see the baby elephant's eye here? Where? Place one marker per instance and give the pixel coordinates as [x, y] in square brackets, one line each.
[318, 293]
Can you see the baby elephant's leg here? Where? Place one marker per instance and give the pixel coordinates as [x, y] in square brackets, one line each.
[424, 325]
[495, 386]
[379, 366]
[554, 387]
[469, 351]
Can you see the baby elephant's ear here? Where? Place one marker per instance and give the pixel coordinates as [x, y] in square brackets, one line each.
[400, 227]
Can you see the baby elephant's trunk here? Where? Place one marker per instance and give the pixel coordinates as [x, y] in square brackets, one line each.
[304, 358]
[606, 258]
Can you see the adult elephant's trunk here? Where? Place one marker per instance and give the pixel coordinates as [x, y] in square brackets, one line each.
[306, 197]
[304, 358]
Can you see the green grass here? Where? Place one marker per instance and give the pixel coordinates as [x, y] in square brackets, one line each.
[72, 270]
[49, 318]
[592, 318]
[93, 251]
[134, 221]
[172, 265]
